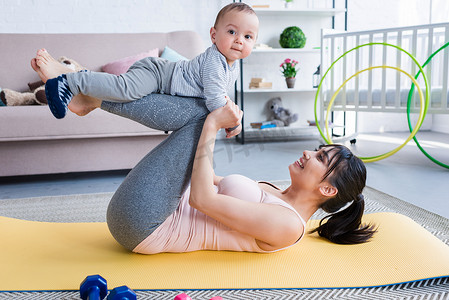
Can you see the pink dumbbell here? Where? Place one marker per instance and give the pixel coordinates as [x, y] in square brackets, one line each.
[184, 296]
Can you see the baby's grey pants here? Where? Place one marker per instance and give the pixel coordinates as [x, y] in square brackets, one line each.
[152, 190]
[146, 76]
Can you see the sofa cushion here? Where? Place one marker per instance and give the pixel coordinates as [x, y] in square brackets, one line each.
[122, 65]
[171, 55]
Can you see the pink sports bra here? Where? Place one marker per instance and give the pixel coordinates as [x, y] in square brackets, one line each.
[188, 229]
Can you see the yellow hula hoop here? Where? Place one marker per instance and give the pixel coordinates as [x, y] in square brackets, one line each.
[412, 134]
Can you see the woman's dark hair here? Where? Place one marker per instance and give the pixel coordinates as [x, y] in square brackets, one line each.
[347, 173]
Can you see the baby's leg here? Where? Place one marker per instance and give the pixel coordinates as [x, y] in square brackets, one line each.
[152, 190]
[113, 88]
[143, 78]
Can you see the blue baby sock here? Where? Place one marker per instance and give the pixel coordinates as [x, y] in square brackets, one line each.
[58, 95]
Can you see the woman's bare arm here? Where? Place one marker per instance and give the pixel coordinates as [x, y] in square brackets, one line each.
[273, 225]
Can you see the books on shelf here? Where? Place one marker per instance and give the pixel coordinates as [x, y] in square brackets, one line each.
[313, 123]
[262, 47]
[262, 125]
[261, 6]
[260, 83]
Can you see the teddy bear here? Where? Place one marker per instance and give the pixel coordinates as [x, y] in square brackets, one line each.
[36, 95]
[279, 115]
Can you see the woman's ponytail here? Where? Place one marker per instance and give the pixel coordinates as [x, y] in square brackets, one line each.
[345, 226]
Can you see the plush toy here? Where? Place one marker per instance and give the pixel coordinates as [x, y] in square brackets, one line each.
[37, 89]
[279, 115]
[13, 98]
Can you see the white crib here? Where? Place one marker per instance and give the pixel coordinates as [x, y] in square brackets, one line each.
[384, 90]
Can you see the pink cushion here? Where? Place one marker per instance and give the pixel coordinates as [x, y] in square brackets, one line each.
[120, 66]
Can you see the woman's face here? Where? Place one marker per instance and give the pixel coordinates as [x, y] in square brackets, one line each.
[308, 171]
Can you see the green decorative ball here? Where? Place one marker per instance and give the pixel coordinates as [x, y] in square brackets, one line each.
[292, 37]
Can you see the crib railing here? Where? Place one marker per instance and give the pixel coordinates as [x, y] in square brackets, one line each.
[384, 89]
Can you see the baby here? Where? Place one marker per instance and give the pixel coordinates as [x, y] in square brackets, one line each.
[209, 75]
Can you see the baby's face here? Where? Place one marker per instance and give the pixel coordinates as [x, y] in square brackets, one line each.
[235, 35]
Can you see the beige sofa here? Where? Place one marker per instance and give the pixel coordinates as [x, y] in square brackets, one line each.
[32, 141]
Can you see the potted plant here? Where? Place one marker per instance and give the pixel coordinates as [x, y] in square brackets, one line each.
[288, 3]
[289, 68]
[292, 37]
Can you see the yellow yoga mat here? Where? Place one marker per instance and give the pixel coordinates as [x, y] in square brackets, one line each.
[58, 256]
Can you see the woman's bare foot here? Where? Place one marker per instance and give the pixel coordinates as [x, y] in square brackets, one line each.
[82, 104]
[53, 74]
[47, 67]
[37, 69]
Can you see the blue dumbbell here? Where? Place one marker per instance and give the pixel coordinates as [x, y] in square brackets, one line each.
[122, 293]
[93, 287]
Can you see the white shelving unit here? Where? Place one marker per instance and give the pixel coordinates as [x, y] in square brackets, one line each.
[265, 63]
[285, 90]
[316, 12]
[286, 50]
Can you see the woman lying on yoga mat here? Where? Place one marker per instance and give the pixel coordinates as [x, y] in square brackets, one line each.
[172, 201]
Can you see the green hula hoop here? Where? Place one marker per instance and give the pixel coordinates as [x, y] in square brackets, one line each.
[412, 134]
[410, 94]
[353, 49]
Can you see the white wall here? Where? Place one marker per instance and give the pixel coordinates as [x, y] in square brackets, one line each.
[82, 16]
[373, 14]
[108, 16]
[369, 14]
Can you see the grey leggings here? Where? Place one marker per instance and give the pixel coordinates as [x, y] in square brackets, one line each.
[152, 190]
